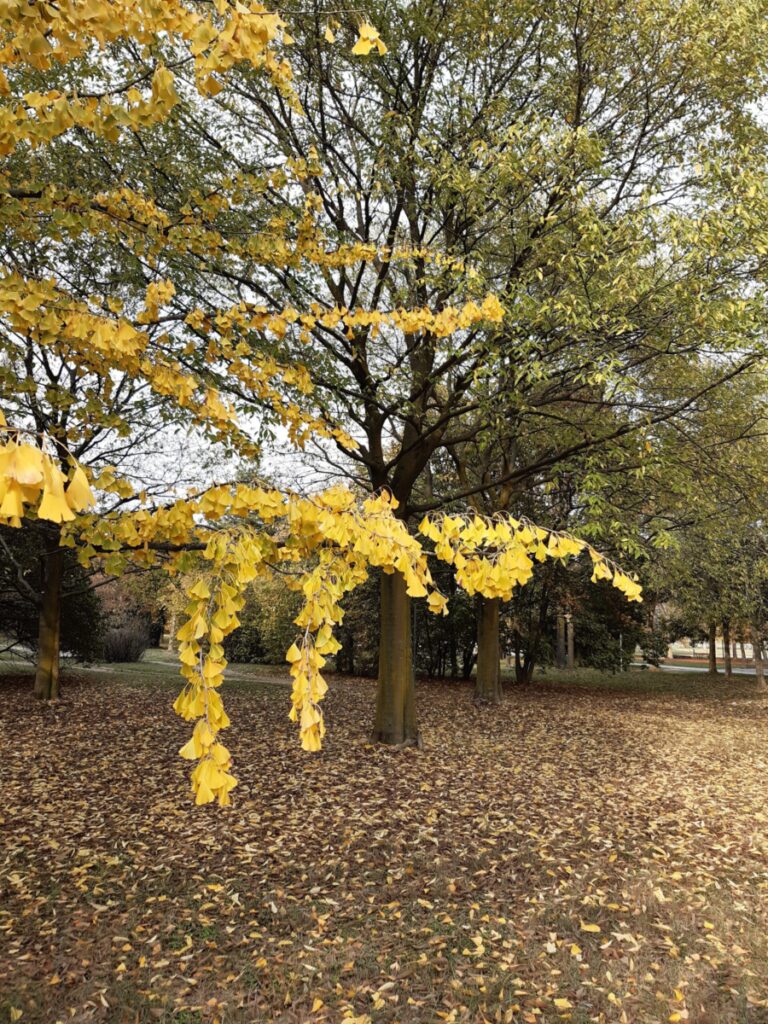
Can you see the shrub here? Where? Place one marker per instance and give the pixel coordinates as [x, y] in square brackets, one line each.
[245, 644]
[135, 600]
[126, 643]
[267, 628]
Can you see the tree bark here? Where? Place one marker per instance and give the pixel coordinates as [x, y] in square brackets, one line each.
[395, 703]
[560, 649]
[712, 649]
[727, 649]
[453, 653]
[467, 661]
[453, 644]
[757, 650]
[571, 653]
[172, 627]
[49, 632]
[488, 684]
[345, 656]
[524, 668]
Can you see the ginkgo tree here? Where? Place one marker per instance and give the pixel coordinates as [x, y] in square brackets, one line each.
[81, 238]
[108, 72]
[592, 167]
[99, 411]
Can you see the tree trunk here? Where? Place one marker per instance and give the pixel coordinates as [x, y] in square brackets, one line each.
[345, 656]
[743, 651]
[395, 704]
[172, 627]
[727, 649]
[757, 651]
[560, 650]
[467, 661]
[49, 634]
[453, 643]
[488, 685]
[524, 668]
[571, 654]
[712, 649]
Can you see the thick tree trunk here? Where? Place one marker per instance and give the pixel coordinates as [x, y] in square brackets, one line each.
[560, 649]
[758, 655]
[712, 649]
[488, 685]
[727, 649]
[395, 704]
[49, 634]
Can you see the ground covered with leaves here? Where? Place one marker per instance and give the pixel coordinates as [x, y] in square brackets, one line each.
[580, 853]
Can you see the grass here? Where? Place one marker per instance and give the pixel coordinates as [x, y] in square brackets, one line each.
[648, 681]
[463, 882]
[158, 668]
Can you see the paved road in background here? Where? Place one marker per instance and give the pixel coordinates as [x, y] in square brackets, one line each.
[672, 667]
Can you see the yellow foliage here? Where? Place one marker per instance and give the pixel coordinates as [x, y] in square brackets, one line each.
[31, 479]
[493, 556]
[238, 531]
[368, 39]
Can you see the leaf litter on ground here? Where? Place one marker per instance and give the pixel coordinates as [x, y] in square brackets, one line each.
[574, 854]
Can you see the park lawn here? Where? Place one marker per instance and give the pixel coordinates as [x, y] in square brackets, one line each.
[584, 852]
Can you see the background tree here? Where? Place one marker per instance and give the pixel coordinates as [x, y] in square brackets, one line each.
[22, 571]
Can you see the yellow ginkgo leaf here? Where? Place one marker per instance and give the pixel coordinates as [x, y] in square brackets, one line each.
[13, 503]
[416, 588]
[79, 494]
[190, 751]
[585, 927]
[438, 605]
[293, 654]
[54, 505]
[204, 794]
[368, 37]
[329, 36]
[24, 463]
